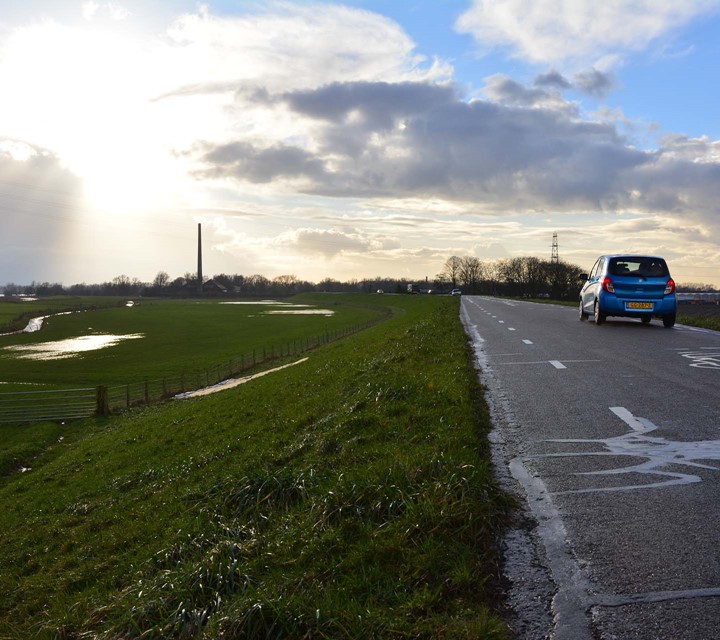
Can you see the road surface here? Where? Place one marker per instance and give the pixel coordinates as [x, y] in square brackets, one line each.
[611, 434]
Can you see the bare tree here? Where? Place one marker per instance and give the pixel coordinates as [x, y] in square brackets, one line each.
[451, 270]
[162, 279]
[471, 273]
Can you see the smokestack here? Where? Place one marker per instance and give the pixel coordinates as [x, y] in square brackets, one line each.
[199, 273]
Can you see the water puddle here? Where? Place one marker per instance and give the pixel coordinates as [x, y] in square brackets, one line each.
[232, 382]
[271, 303]
[299, 312]
[35, 324]
[286, 308]
[69, 348]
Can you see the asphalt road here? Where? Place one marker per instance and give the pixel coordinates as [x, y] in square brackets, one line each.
[612, 435]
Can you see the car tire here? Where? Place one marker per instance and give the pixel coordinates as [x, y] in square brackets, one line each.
[599, 316]
[583, 315]
[669, 321]
[646, 319]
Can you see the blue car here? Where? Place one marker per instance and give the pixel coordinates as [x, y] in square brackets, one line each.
[630, 286]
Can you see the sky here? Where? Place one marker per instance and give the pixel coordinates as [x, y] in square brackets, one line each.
[358, 139]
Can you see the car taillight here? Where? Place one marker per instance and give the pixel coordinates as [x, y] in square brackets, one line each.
[670, 286]
[608, 285]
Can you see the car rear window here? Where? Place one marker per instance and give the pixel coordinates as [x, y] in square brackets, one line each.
[638, 266]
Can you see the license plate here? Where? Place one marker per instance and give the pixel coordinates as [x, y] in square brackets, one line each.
[639, 305]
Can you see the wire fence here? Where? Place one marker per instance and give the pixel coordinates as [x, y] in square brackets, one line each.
[37, 406]
[67, 404]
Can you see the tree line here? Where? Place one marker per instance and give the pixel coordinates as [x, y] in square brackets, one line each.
[524, 276]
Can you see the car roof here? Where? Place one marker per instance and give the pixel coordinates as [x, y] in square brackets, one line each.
[631, 255]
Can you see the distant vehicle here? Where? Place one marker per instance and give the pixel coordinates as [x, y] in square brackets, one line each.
[456, 292]
[630, 286]
[380, 291]
[413, 288]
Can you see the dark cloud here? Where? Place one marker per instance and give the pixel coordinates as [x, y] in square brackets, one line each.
[503, 89]
[522, 153]
[244, 161]
[379, 104]
[554, 80]
[594, 82]
[40, 203]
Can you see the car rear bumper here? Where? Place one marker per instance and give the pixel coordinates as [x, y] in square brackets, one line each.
[612, 305]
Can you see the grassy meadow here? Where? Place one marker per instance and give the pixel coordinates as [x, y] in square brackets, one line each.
[178, 336]
[350, 496]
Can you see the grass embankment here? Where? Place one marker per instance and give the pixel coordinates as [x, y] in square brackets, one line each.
[347, 497]
[700, 320]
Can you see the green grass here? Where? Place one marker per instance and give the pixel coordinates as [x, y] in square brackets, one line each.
[705, 322]
[350, 496]
[179, 336]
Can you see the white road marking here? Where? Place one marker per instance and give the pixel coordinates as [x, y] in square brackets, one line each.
[511, 329]
[630, 420]
[501, 321]
[528, 341]
[660, 454]
[557, 364]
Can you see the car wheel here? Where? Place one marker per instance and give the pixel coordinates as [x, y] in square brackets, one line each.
[599, 316]
[669, 321]
[583, 315]
[646, 319]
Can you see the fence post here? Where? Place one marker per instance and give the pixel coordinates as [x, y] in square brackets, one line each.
[147, 393]
[102, 405]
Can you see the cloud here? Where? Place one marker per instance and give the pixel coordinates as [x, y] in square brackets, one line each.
[591, 82]
[292, 46]
[333, 242]
[576, 32]
[594, 82]
[244, 161]
[89, 9]
[435, 144]
[524, 150]
[41, 210]
[553, 79]
[501, 88]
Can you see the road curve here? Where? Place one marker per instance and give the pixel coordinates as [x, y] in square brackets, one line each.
[612, 435]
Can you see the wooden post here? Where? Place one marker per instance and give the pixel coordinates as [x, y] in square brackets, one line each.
[147, 392]
[102, 404]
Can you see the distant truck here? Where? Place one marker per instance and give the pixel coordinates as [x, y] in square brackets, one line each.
[413, 288]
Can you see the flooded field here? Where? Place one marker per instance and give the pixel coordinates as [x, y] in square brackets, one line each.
[68, 348]
[157, 338]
